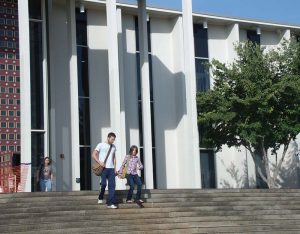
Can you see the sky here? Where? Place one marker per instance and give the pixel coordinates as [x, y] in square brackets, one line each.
[277, 11]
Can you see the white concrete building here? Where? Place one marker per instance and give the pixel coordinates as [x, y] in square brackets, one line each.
[90, 67]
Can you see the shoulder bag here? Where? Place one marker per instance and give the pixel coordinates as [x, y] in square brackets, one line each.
[97, 168]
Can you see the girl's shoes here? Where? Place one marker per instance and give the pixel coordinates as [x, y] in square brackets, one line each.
[140, 201]
[129, 201]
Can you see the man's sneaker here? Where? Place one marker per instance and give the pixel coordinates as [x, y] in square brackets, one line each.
[100, 201]
[139, 201]
[129, 201]
[112, 206]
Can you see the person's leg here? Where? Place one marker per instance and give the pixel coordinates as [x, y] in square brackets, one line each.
[42, 185]
[130, 182]
[48, 185]
[103, 184]
[138, 182]
[111, 186]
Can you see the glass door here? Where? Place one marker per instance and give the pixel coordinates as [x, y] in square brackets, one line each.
[207, 163]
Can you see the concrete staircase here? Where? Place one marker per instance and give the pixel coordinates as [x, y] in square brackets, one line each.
[165, 211]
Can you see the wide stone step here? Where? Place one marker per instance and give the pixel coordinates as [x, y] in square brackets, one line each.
[170, 192]
[126, 223]
[200, 201]
[171, 210]
[160, 224]
[165, 211]
[148, 215]
[202, 205]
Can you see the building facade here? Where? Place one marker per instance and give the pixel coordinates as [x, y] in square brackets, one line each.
[81, 69]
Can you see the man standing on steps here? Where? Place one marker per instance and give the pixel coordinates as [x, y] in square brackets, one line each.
[103, 150]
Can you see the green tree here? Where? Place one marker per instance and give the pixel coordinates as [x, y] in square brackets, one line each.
[255, 103]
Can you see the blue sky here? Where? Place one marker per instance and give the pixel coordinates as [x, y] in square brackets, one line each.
[280, 11]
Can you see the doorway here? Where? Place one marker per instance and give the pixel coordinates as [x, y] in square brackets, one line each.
[207, 164]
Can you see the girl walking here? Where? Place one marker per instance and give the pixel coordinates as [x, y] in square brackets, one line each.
[45, 176]
[130, 165]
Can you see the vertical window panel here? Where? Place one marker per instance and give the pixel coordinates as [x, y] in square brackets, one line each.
[84, 121]
[201, 41]
[37, 155]
[36, 80]
[253, 36]
[202, 75]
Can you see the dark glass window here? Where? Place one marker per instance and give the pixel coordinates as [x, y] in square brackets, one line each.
[11, 136]
[37, 155]
[35, 9]
[3, 136]
[9, 10]
[84, 108]
[253, 36]
[149, 36]
[140, 117]
[140, 123]
[202, 75]
[137, 36]
[9, 22]
[84, 121]
[9, 33]
[200, 40]
[81, 30]
[36, 69]
[3, 44]
[10, 67]
[3, 124]
[207, 163]
[83, 78]
[85, 168]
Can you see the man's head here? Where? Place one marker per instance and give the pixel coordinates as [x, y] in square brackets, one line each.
[111, 138]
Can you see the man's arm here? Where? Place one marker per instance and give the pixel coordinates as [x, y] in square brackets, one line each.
[115, 164]
[95, 156]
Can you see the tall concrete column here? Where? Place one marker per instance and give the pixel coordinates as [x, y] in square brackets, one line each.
[285, 35]
[232, 39]
[123, 149]
[74, 106]
[191, 168]
[25, 96]
[114, 80]
[145, 83]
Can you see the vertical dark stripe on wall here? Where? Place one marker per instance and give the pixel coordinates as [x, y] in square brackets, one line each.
[83, 100]
[36, 88]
